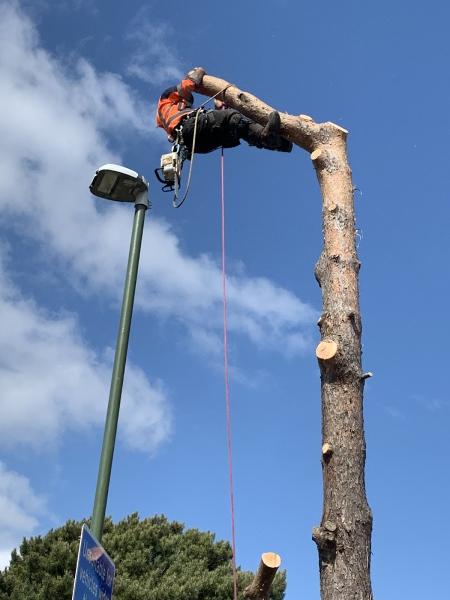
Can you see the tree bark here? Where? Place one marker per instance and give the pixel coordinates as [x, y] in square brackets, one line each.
[344, 536]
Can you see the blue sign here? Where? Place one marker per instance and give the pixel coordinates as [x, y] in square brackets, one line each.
[94, 577]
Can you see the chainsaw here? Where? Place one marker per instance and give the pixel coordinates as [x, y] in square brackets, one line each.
[169, 172]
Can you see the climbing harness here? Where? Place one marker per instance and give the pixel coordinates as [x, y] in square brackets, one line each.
[171, 165]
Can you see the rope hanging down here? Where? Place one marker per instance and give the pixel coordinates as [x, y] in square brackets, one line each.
[226, 373]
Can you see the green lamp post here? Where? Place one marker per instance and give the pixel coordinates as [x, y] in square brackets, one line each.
[114, 182]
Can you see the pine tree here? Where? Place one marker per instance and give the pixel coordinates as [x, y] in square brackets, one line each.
[156, 559]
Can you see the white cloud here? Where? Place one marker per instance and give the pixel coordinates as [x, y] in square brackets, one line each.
[53, 125]
[51, 382]
[20, 508]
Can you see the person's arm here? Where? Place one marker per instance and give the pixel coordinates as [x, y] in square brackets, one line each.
[181, 92]
[184, 91]
[190, 83]
[196, 75]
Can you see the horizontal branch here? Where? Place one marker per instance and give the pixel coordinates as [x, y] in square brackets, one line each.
[300, 129]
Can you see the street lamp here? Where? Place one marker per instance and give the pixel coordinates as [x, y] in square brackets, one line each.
[114, 182]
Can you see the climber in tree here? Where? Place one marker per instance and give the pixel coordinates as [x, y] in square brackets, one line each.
[223, 127]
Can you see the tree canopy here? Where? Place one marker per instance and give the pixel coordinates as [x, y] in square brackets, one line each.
[156, 559]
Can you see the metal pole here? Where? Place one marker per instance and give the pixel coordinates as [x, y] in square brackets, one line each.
[112, 416]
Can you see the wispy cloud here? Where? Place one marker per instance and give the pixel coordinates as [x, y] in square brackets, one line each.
[430, 403]
[395, 412]
[154, 58]
[414, 404]
[20, 509]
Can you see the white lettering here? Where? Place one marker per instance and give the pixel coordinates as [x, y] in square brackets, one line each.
[89, 582]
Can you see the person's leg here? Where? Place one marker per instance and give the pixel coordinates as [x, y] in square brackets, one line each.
[233, 126]
[225, 128]
[215, 129]
[205, 140]
[268, 137]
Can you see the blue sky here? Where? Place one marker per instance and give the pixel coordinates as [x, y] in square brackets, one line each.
[79, 83]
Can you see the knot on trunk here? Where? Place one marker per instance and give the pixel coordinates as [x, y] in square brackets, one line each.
[325, 536]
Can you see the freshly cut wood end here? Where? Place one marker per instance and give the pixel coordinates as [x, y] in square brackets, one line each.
[271, 559]
[327, 449]
[315, 154]
[326, 350]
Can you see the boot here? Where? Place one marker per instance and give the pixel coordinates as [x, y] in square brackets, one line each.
[269, 136]
[271, 131]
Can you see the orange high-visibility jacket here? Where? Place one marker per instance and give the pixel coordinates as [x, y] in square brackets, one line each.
[174, 104]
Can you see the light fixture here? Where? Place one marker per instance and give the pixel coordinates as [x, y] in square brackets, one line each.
[115, 182]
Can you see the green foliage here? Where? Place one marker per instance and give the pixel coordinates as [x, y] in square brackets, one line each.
[155, 559]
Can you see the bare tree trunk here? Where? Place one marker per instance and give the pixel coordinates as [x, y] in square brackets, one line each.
[344, 536]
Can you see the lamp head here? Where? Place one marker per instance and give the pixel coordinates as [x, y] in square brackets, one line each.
[115, 182]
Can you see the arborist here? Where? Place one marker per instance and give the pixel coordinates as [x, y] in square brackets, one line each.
[222, 127]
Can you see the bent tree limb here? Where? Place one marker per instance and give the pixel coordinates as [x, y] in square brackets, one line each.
[344, 536]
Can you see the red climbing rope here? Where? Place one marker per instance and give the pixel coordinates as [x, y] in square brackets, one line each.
[227, 383]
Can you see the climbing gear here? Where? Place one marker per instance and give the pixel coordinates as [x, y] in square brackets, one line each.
[170, 118]
[169, 173]
[171, 165]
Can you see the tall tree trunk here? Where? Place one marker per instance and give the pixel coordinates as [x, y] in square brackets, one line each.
[344, 536]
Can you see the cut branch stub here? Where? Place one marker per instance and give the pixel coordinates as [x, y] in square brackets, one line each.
[367, 375]
[322, 159]
[259, 589]
[324, 539]
[327, 450]
[326, 350]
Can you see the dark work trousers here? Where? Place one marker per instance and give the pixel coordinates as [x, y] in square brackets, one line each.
[215, 129]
